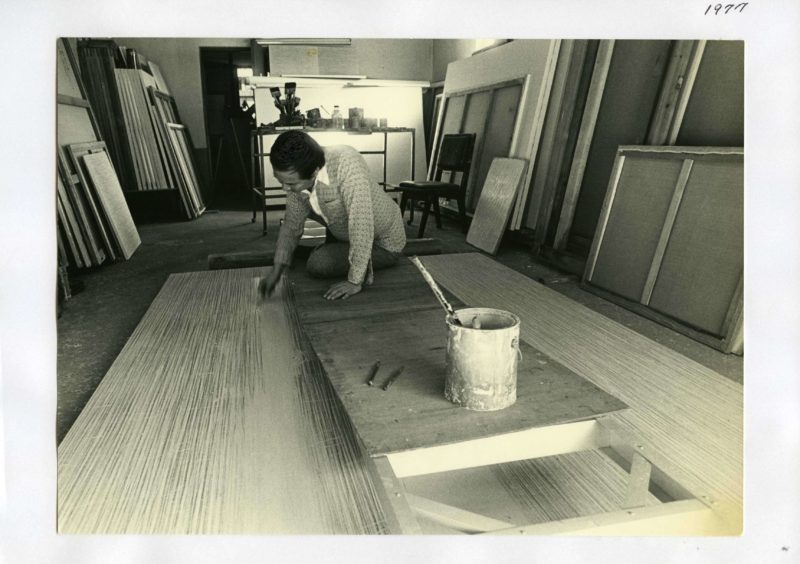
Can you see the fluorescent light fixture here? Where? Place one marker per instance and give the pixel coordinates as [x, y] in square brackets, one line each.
[305, 41]
[482, 45]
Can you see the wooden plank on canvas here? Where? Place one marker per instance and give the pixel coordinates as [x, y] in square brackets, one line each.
[400, 323]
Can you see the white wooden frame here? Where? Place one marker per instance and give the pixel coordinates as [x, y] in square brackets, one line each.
[684, 514]
[523, 81]
[732, 339]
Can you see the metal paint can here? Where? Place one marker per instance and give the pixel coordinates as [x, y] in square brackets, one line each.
[482, 358]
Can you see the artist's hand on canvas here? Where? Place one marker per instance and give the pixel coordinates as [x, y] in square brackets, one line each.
[342, 290]
[267, 284]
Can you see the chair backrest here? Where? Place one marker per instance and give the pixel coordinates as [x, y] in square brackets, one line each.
[455, 153]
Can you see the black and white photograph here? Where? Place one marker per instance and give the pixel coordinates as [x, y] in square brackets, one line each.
[326, 289]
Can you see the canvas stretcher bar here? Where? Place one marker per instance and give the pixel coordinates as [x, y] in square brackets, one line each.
[682, 513]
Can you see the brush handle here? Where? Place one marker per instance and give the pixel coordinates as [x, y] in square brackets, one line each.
[434, 286]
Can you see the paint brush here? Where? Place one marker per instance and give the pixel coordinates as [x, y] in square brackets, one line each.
[393, 377]
[372, 372]
[276, 95]
[451, 314]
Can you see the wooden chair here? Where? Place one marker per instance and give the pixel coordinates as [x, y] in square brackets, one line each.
[455, 155]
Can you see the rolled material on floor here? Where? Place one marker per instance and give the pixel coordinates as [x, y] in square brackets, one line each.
[422, 247]
[215, 418]
[246, 259]
[688, 417]
[252, 259]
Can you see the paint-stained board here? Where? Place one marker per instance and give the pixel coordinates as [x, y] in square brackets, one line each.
[411, 333]
[494, 207]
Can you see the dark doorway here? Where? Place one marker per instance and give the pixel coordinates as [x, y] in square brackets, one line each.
[228, 125]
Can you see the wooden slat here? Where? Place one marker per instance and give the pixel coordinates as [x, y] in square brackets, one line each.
[72, 101]
[140, 127]
[82, 252]
[676, 518]
[476, 115]
[671, 92]
[215, 418]
[625, 446]
[97, 65]
[109, 192]
[76, 152]
[453, 517]
[528, 492]
[733, 326]
[704, 260]
[520, 445]
[629, 228]
[549, 184]
[666, 231]
[687, 413]
[130, 132]
[161, 84]
[148, 127]
[180, 144]
[401, 518]
[77, 198]
[636, 494]
[602, 221]
[499, 136]
[70, 86]
[686, 90]
[549, 139]
[161, 139]
[540, 111]
[590, 112]
[494, 206]
[64, 227]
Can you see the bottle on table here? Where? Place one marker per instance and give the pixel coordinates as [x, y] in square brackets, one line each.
[337, 121]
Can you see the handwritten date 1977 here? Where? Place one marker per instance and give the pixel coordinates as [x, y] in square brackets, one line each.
[722, 9]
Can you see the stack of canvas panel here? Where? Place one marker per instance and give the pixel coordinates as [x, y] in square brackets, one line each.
[144, 144]
[93, 219]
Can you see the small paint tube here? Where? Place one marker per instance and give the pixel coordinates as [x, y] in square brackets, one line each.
[372, 372]
[392, 378]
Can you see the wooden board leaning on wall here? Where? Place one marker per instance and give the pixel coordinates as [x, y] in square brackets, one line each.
[108, 207]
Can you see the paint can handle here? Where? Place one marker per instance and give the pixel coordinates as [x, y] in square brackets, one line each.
[515, 345]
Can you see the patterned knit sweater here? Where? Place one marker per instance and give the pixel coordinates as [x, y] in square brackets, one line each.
[357, 210]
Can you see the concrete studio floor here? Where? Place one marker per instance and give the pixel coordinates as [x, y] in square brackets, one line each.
[95, 324]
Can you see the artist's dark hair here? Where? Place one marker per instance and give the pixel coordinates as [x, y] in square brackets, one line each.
[296, 151]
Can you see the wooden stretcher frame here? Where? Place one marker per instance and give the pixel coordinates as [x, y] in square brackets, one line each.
[76, 151]
[182, 153]
[680, 512]
[67, 221]
[78, 199]
[731, 339]
[522, 81]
